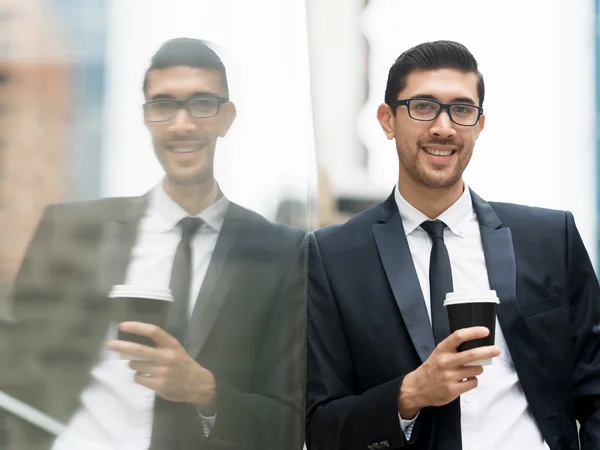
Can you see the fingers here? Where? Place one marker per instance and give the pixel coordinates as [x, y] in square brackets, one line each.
[133, 349]
[157, 334]
[452, 384]
[449, 358]
[466, 385]
[148, 381]
[467, 373]
[167, 345]
[145, 367]
[475, 354]
[452, 342]
[454, 375]
[455, 360]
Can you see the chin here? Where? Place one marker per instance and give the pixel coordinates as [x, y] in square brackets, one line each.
[189, 179]
[442, 184]
[436, 182]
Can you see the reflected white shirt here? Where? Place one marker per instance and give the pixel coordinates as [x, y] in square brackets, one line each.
[116, 413]
[495, 415]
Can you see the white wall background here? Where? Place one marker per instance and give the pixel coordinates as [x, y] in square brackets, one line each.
[537, 58]
[269, 151]
[337, 68]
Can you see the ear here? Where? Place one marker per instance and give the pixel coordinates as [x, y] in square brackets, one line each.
[480, 125]
[229, 113]
[387, 120]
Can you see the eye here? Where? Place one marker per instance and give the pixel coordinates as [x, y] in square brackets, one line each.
[203, 103]
[162, 105]
[423, 106]
[464, 110]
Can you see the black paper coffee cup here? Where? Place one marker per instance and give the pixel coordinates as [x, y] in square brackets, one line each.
[139, 304]
[473, 309]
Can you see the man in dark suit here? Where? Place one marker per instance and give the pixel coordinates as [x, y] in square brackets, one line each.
[383, 368]
[235, 376]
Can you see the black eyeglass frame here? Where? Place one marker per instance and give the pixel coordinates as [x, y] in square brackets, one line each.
[442, 106]
[179, 104]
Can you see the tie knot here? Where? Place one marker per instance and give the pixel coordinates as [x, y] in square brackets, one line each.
[189, 225]
[434, 228]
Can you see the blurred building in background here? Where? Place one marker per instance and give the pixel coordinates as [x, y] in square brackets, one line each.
[84, 24]
[51, 93]
[51, 109]
[34, 119]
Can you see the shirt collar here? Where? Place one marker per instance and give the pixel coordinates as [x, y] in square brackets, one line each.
[454, 217]
[168, 213]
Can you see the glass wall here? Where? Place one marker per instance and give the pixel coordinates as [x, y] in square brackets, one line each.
[202, 213]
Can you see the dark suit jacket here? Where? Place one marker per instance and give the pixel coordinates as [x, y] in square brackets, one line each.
[368, 326]
[248, 326]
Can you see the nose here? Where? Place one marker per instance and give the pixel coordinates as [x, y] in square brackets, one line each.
[182, 122]
[442, 126]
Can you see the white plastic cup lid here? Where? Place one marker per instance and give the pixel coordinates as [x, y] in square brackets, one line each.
[458, 298]
[129, 291]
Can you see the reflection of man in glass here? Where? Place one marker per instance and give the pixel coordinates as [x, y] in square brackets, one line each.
[227, 368]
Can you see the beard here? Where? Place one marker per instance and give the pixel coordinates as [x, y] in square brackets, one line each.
[428, 176]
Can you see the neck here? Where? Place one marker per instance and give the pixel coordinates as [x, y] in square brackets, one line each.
[193, 198]
[431, 202]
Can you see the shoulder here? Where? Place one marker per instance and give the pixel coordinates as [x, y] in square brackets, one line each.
[99, 210]
[512, 214]
[356, 230]
[255, 224]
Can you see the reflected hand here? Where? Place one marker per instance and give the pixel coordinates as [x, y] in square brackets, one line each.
[167, 369]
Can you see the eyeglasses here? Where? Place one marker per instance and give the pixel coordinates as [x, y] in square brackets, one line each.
[201, 107]
[422, 109]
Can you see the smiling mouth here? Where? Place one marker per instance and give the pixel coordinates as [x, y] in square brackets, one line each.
[438, 152]
[184, 148]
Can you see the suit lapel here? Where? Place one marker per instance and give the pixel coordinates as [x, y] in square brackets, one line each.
[502, 274]
[117, 242]
[219, 279]
[402, 276]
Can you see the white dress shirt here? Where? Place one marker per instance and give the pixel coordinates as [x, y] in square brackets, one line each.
[116, 413]
[495, 415]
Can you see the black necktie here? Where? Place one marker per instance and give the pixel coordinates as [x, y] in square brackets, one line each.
[447, 417]
[167, 430]
[181, 279]
[440, 279]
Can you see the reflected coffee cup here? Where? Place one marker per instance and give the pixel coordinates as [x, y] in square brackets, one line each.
[473, 309]
[139, 304]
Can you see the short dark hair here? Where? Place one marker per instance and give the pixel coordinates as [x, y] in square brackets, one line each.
[187, 52]
[432, 56]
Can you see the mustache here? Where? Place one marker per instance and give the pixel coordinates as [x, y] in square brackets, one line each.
[447, 142]
[183, 138]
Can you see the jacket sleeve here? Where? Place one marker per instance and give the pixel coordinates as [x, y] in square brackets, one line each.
[338, 416]
[584, 296]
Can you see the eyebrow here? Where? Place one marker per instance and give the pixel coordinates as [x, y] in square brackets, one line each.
[195, 94]
[455, 100]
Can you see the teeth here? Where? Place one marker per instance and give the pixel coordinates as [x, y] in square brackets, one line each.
[438, 152]
[183, 149]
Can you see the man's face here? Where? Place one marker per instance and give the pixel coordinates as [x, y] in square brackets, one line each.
[416, 140]
[185, 145]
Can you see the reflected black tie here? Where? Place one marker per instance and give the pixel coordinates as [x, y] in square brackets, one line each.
[447, 418]
[167, 430]
[181, 279]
